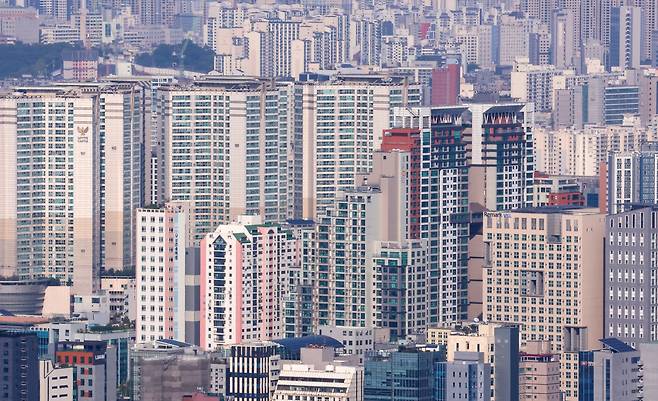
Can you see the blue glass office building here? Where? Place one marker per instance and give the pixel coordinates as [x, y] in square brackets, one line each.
[403, 375]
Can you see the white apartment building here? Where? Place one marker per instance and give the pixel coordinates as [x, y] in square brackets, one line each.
[229, 149]
[162, 235]
[71, 173]
[343, 122]
[244, 267]
[534, 84]
[581, 152]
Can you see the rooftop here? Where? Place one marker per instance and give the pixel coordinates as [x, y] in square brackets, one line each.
[563, 209]
[616, 345]
[296, 343]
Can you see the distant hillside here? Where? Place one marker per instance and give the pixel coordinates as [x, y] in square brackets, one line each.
[194, 58]
[36, 60]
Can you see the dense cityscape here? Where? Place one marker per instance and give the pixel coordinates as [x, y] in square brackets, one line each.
[329, 200]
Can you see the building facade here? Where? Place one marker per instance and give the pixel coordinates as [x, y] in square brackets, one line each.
[162, 238]
[56, 194]
[244, 269]
[229, 151]
[20, 378]
[631, 250]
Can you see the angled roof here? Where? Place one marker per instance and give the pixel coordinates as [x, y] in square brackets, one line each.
[616, 345]
[297, 343]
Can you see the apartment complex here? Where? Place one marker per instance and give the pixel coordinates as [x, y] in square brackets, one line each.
[20, 365]
[94, 364]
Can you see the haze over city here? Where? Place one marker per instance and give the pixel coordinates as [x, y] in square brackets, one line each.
[329, 200]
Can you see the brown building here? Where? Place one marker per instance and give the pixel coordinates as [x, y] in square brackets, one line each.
[539, 373]
[80, 65]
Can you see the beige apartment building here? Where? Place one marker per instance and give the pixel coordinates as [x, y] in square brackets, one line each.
[544, 271]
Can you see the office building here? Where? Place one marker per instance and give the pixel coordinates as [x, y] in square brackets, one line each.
[506, 362]
[94, 364]
[521, 276]
[58, 196]
[253, 371]
[84, 330]
[526, 284]
[162, 239]
[357, 342]
[228, 150]
[20, 378]
[484, 338]
[466, 377]
[343, 124]
[445, 85]
[649, 363]
[244, 267]
[620, 101]
[630, 252]
[319, 376]
[187, 370]
[404, 374]
[612, 372]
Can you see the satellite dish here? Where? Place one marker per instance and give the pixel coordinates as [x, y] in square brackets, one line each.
[476, 320]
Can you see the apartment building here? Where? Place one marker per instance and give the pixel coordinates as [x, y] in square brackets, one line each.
[72, 179]
[244, 267]
[229, 150]
[439, 202]
[162, 239]
[343, 124]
